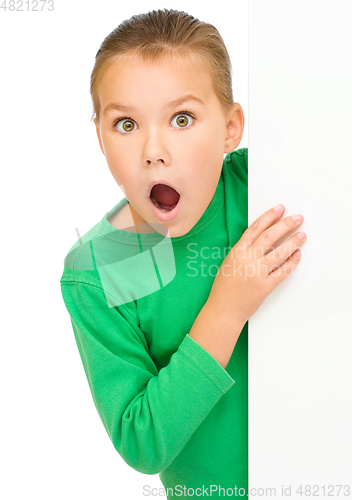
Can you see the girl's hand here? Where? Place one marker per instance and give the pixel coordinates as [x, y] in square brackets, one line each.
[252, 269]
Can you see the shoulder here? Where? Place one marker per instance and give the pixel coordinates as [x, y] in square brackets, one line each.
[95, 267]
[237, 159]
[79, 256]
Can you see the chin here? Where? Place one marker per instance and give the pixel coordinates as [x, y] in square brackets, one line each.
[175, 232]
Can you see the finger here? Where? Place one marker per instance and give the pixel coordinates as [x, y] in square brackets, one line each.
[270, 236]
[282, 272]
[280, 254]
[259, 225]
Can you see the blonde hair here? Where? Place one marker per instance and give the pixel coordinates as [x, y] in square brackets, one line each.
[166, 32]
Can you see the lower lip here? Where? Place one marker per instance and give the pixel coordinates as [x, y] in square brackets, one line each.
[165, 216]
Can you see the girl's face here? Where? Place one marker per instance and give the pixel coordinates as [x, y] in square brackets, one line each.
[162, 123]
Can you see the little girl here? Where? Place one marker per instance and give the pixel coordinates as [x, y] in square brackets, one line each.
[160, 291]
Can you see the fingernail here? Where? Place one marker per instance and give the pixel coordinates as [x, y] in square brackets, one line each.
[301, 235]
[278, 208]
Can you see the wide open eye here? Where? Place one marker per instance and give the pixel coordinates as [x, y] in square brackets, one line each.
[182, 120]
[125, 125]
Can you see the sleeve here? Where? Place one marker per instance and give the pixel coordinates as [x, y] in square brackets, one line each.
[148, 414]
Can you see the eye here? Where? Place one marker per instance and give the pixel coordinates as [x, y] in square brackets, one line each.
[182, 120]
[125, 125]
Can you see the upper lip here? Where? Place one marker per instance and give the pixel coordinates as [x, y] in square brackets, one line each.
[161, 181]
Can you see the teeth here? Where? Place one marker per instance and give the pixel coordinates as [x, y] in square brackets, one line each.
[154, 201]
[157, 204]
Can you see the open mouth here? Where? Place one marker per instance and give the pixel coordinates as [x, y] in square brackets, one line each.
[164, 197]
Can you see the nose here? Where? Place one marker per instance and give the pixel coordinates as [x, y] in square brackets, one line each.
[156, 149]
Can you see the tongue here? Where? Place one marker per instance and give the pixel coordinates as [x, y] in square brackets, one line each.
[166, 196]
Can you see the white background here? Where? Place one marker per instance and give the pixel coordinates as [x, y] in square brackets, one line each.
[300, 109]
[54, 180]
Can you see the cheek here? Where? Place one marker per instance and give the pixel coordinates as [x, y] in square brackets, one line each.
[211, 134]
[208, 148]
[118, 156]
[118, 166]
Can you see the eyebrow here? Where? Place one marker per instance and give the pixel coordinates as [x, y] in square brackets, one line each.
[172, 104]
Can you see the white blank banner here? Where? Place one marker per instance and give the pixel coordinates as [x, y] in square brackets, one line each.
[300, 342]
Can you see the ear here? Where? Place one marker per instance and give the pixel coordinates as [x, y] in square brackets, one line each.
[234, 127]
[98, 134]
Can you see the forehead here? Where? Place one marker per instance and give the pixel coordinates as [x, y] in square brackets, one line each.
[164, 79]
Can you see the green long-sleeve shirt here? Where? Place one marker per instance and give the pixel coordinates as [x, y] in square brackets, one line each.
[167, 405]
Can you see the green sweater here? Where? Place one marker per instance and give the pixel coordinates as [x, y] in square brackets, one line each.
[167, 405]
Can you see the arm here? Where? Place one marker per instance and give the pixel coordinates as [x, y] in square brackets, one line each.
[216, 332]
[148, 415]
